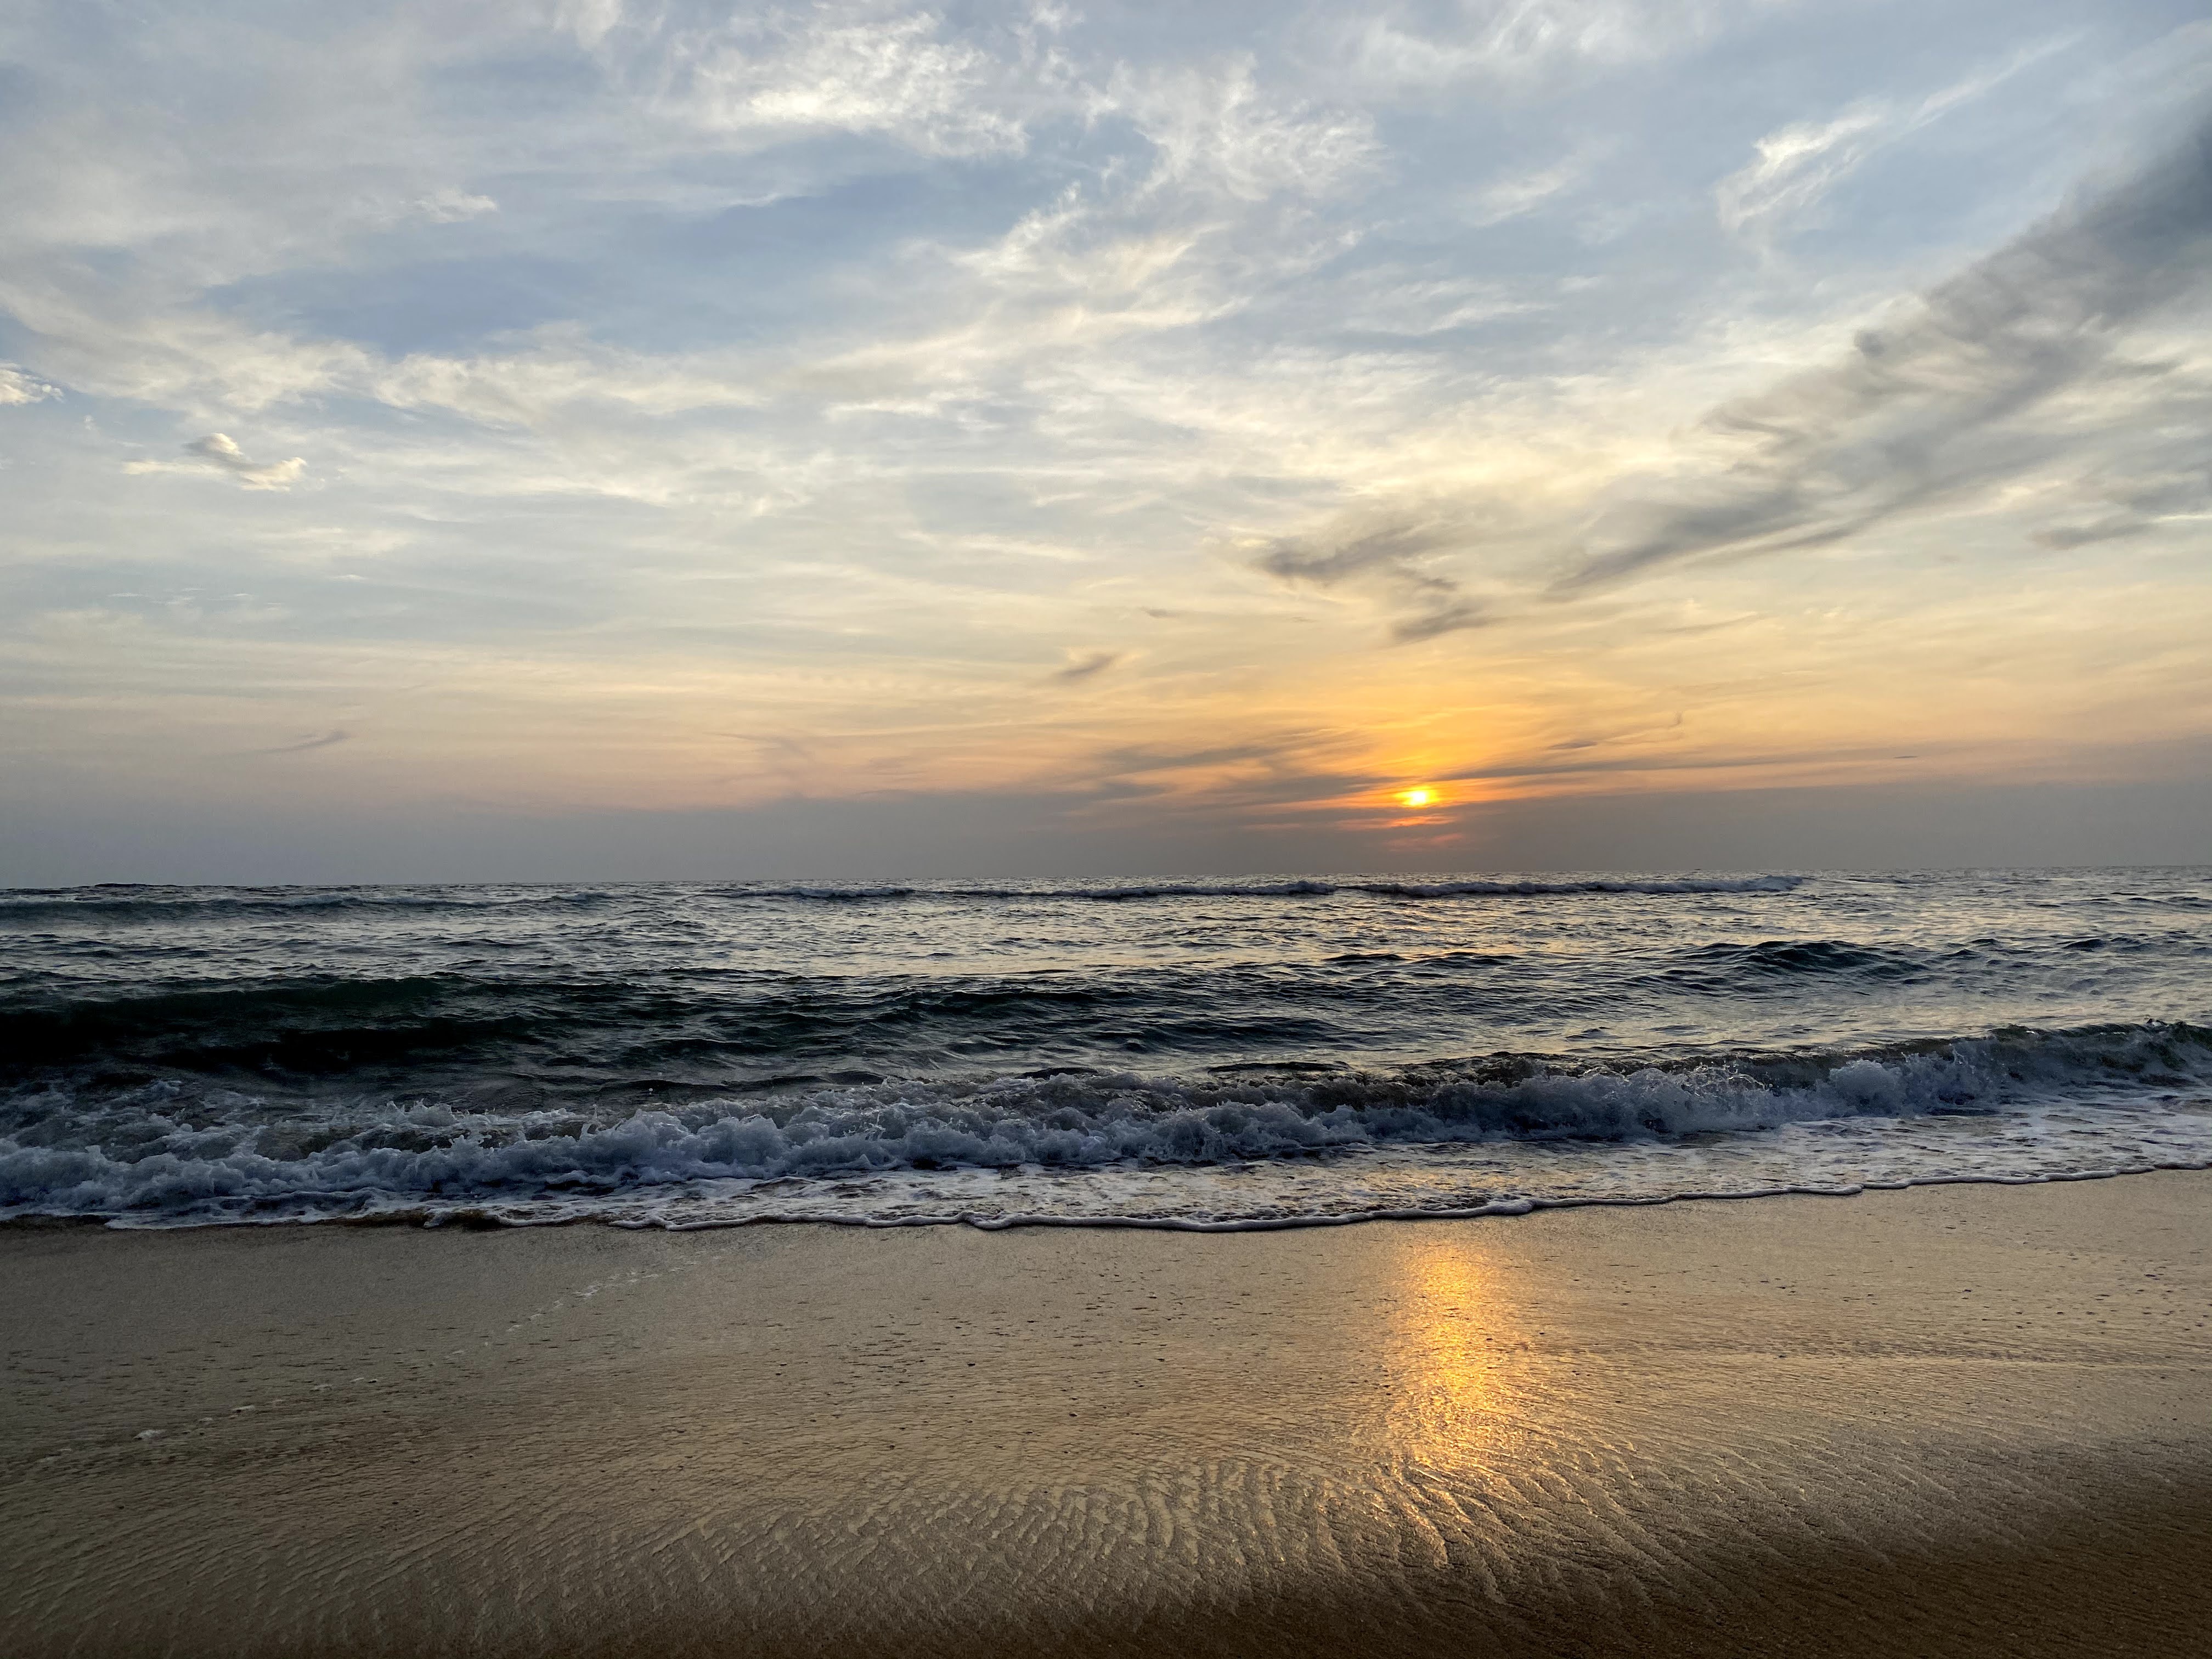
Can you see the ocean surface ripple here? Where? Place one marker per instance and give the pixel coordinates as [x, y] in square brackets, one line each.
[1210, 1053]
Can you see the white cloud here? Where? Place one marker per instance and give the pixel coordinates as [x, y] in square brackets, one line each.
[219, 452]
[446, 205]
[857, 69]
[450, 206]
[1388, 300]
[130, 339]
[1213, 127]
[530, 385]
[1517, 193]
[17, 387]
[1800, 163]
[590, 21]
[1519, 43]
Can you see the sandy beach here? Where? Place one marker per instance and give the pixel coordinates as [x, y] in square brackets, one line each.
[1956, 1419]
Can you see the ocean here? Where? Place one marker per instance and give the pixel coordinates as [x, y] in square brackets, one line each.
[1213, 1053]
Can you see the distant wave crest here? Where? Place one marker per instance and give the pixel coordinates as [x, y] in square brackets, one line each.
[31, 907]
[1136, 891]
[36, 908]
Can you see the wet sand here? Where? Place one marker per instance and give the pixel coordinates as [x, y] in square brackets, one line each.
[1951, 1420]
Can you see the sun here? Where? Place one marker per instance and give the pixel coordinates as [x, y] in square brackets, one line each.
[1417, 797]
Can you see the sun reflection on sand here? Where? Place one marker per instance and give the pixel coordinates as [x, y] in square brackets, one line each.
[1456, 1389]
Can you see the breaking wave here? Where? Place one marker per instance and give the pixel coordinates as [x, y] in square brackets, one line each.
[1220, 1051]
[162, 1155]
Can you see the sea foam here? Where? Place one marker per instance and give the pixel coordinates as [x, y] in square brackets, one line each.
[157, 1156]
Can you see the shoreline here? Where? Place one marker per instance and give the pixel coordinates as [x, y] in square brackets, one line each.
[474, 1216]
[1960, 1418]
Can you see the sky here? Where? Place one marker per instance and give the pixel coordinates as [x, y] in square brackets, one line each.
[599, 440]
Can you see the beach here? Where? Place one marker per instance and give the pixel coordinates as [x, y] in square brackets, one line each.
[1959, 1419]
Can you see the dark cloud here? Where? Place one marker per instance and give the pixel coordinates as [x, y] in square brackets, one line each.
[1937, 406]
[2061, 537]
[2133, 505]
[1294, 765]
[2017, 365]
[1448, 616]
[1390, 558]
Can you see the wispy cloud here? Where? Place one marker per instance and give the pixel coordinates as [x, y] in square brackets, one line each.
[845, 68]
[1390, 560]
[324, 741]
[1516, 193]
[1800, 163]
[1522, 43]
[2002, 369]
[1212, 126]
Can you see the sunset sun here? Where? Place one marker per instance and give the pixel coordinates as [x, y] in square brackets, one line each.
[1422, 796]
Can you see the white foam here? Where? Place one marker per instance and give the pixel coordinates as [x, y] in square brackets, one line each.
[1167, 1150]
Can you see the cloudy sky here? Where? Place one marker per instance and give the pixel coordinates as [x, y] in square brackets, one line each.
[596, 439]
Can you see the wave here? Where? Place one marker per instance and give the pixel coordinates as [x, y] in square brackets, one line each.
[1775, 964]
[29, 907]
[299, 1025]
[320, 1025]
[1654, 889]
[26, 906]
[827, 894]
[1309, 888]
[158, 1155]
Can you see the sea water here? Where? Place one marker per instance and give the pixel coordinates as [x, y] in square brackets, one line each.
[1207, 1053]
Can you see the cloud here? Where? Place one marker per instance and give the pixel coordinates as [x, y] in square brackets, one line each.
[1390, 559]
[450, 206]
[1213, 127]
[1393, 299]
[1961, 395]
[1449, 614]
[17, 387]
[1088, 666]
[323, 742]
[843, 69]
[1797, 164]
[218, 452]
[447, 205]
[1520, 43]
[1267, 768]
[1800, 163]
[1510, 197]
[2129, 507]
